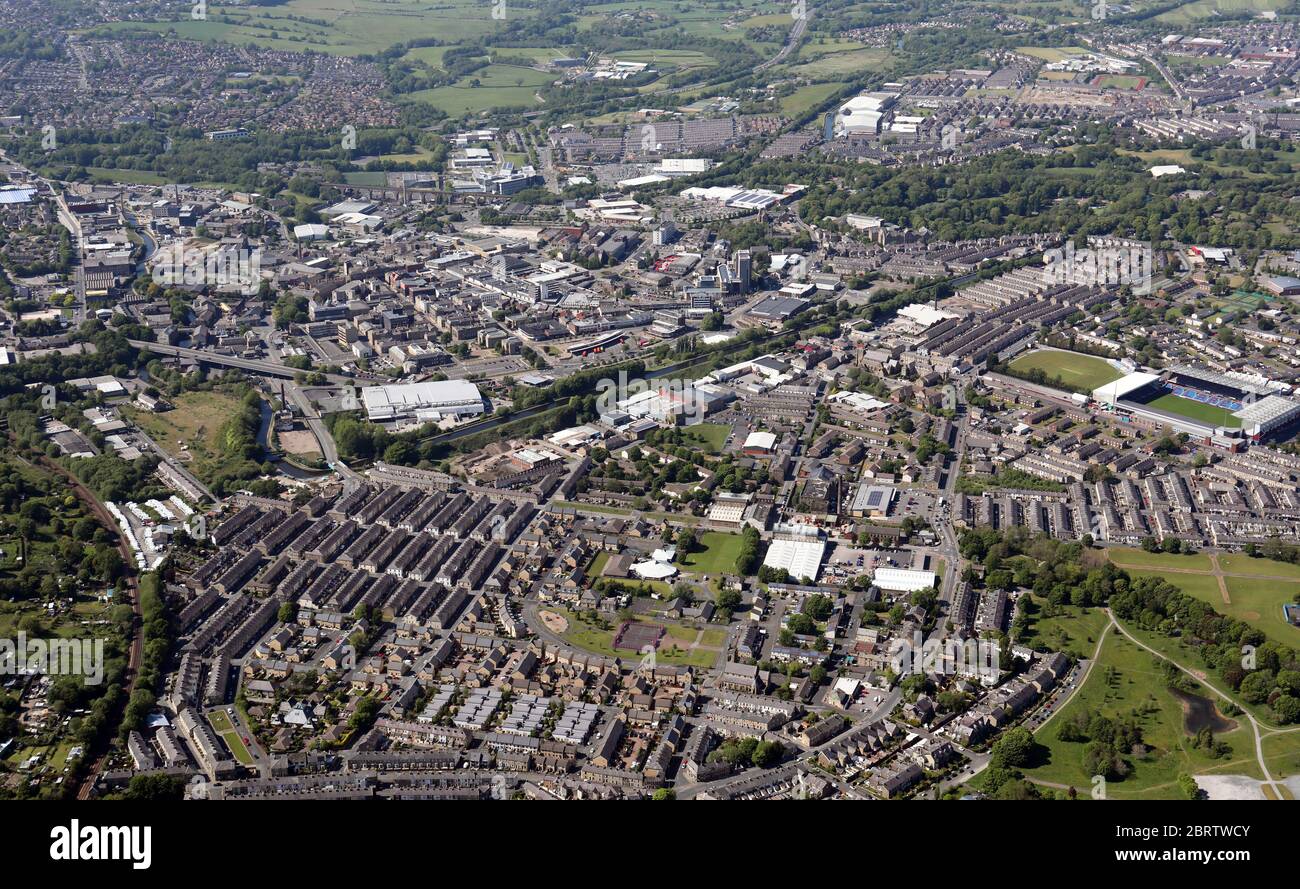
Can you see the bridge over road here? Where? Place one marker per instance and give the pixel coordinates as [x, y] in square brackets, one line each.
[268, 368]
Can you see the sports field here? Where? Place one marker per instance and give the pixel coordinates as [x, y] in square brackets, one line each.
[1251, 590]
[717, 554]
[1195, 410]
[1140, 558]
[1073, 368]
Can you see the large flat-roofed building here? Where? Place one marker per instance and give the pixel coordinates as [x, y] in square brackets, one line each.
[424, 402]
[903, 580]
[798, 549]
[872, 500]
[778, 308]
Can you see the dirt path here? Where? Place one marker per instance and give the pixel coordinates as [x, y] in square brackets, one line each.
[1218, 575]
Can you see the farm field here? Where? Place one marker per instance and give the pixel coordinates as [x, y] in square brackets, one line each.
[1086, 372]
[1126, 682]
[337, 27]
[1205, 9]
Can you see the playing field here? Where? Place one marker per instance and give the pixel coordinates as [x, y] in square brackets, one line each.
[599, 639]
[1257, 588]
[1195, 410]
[1242, 564]
[710, 436]
[1085, 372]
[716, 555]
[1140, 558]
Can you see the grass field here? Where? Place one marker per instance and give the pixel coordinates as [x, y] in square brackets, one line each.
[1199, 61]
[191, 432]
[672, 649]
[717, 554]
[807, 97]
[1239, 564]
[1121, 81]
[354, 27]
[1126, 682]
[710, 436]
[1072, 630]
[1259, 602]
[1140, 558]
[1195, 410]
[593, 507]
[1203, 586]
[597, 565]
[1281, 746]
[1053, 53]
[1255, 599]
[1073, 368]
[667, 59]
[465, 98]
[839, 63]
[1208, 9]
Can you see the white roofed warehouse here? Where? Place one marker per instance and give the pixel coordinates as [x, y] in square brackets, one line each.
[798, 549]
[423, 402]
[903, 580]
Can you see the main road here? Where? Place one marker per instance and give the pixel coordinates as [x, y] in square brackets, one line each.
[267, 368]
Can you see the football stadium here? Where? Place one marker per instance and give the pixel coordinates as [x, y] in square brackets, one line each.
[1205, 404]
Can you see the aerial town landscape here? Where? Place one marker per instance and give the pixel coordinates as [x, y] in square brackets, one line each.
[563, 399]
